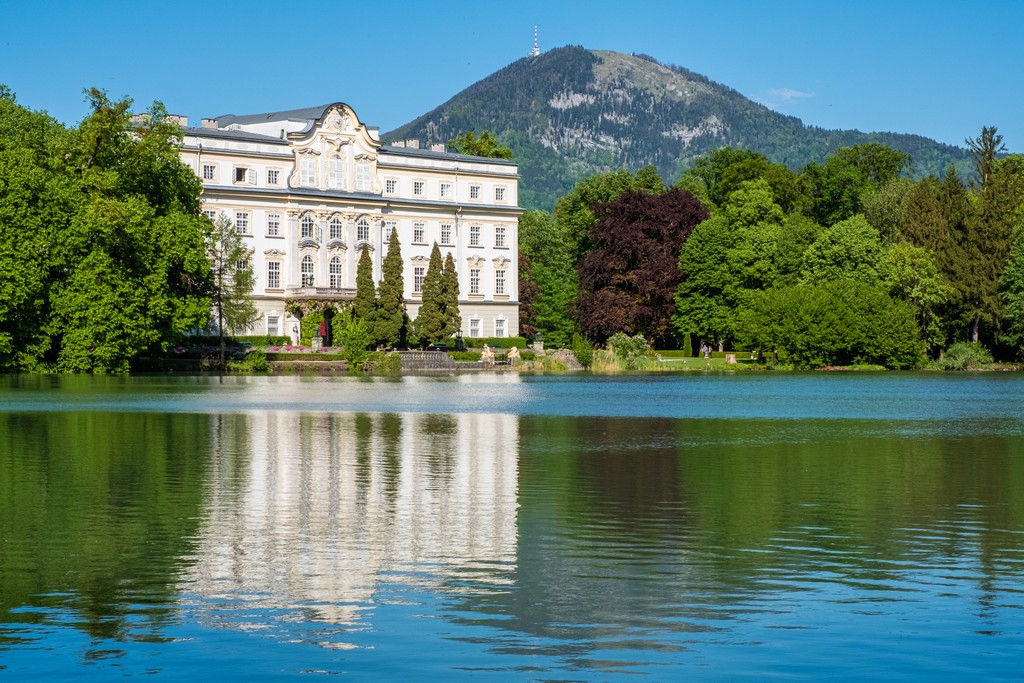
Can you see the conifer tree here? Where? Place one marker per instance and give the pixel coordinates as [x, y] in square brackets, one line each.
[391, 300]
[430, 322]
[365, 303]
[450, 297]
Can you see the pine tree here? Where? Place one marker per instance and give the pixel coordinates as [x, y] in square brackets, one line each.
[391, 301]
[450, 297]
[365, 303]
[430, 323]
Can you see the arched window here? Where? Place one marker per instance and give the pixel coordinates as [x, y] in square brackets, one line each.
[307, 271]
[336, 230]
[335, 173]
[336, 279]
[363, 230]
[307, 226]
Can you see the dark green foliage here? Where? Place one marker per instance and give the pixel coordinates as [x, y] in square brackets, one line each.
[1012, 281]
[832, 324]
[495, 342]
[450, 298]
[848, 174]
[430, 322]
[352, 335]
[391, 318]
[365, 304]
[571, 112]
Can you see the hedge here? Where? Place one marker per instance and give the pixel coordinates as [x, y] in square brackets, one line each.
[503, 342]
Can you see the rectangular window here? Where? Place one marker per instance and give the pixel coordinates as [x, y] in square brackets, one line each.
[389, 227]
[273, 275]
[241, 264]
[307, 172]
[241, 174]
[273, 225]
[242, 222]
[474, 192]
[446, 190]
[446, 233]
[212, 215]
[474, 280]
[273, 325]
[499, 236]
[418, 273]
[418, 230]
[417, 188]
[391, 186]
[363, 177]
[499, 282]
[499, 327]
[335, 173]
[273, 176]
[474, 327]
[499, 194]
[209, 171]
[474, 235]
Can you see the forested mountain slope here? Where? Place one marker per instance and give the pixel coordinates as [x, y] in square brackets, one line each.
[572, 112]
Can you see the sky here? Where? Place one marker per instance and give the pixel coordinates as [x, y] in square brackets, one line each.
[937, 68]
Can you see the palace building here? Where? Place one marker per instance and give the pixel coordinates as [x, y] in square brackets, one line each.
[310, 188]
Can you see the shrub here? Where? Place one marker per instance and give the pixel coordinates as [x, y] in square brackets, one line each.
[256, 361]
[628, 349]
[465, 356]
[503, 342]
[966, 356]
[582, 349]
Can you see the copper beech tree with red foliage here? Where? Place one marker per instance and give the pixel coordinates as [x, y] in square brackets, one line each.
[627, 282]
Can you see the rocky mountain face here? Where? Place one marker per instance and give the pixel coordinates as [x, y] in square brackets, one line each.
[572, 112]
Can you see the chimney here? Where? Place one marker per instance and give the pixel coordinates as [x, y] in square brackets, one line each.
[437, 147]
[209, 123]
[414, 144]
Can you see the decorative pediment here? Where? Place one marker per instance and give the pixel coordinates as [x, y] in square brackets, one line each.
[418, 259]
[336, 245]
[502, 263]
[337, 120]
[475, 261]
[308, 242]
[273, 252]
[307, 152]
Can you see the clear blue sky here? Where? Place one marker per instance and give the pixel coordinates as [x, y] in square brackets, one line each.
[936, 68]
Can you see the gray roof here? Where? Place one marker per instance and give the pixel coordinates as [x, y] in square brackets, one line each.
[306, 114]
[235, 135]
[420, 152]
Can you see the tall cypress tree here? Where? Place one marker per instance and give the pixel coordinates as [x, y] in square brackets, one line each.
[430, 322]
[450, 297]
[391, 299]
[366, 296]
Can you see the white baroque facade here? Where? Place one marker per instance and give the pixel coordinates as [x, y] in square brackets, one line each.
[310, 188]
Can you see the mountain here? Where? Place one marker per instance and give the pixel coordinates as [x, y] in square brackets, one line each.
[572, 112]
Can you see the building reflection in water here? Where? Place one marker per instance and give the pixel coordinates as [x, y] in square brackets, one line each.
[312, 514]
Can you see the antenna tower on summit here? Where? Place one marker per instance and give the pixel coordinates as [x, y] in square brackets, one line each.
[536, 47]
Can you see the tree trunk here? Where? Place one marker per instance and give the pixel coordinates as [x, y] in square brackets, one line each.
[974, 329]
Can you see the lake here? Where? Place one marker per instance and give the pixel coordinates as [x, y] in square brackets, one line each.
[712, 527]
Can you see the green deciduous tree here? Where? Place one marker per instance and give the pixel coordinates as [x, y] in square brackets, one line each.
[486, 145]
[233, 280]
[849, 250]
[552, 271]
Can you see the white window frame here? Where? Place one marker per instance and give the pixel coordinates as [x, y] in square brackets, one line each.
[273, 275]
[446, 234]
[419, 233]
[474, 280]
[474, 192]
[499, 236]
[362, 230]
[499, 282]
[474, 235]
[336, 173]
[500, 328]
[389, 227]
[475, 328]
[337, 272]
[391, 186]
[363, 177]
[419, 187]
[307, 226]
[242, 223]
[499, 194]
[337, 228]
[418, 273]
[307, 172]
[209, 172]
[445, 190]
[273, 176]
[273, 225]
[307, 268]
[273, 325]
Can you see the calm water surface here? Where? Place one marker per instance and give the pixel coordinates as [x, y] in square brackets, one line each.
[517, 528]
